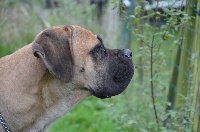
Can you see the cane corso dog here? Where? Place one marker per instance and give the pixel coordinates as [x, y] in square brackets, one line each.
[63, 65]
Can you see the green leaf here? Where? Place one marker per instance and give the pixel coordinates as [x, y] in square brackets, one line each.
[166, 10]
[135, 21]
[115, 6]
[113, 1]
[132, 16]
[152, 14]
[137, 9]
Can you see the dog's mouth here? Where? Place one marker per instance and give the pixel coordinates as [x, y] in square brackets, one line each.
[97, 94]
[115, 84]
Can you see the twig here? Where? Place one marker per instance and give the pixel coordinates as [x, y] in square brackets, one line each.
[151, 76]
[43, 20]
[145, 43]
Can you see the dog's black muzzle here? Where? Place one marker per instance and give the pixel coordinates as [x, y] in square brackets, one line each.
[118, 74]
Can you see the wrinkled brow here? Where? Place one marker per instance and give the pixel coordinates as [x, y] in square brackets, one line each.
[99, 38]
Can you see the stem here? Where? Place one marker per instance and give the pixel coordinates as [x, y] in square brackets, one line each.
[151, 76]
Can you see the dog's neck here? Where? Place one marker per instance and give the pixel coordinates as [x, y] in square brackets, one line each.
[35, 98]
[56, 99]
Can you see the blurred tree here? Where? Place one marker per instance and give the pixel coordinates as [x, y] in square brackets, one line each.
[99, 8]
[185, 68]
[78, 1]
[196, 100]
[181, 79]
[125, 36]
[173, 82]
[51, 3]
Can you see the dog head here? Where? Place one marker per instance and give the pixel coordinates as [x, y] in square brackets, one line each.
[75, 55]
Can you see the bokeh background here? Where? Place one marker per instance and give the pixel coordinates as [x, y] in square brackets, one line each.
[164, 38]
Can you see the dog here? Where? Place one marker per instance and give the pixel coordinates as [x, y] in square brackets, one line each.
[63, 65]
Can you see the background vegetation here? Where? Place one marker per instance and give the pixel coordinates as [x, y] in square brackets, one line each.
[155, 100]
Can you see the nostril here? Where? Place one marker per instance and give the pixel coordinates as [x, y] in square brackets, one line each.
[127, 53]
[128, 56]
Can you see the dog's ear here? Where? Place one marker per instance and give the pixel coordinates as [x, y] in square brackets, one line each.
[53, 47]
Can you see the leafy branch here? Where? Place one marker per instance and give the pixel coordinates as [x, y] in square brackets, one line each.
[152, 76]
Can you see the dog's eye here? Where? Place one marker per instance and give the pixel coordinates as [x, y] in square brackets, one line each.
[99, 51]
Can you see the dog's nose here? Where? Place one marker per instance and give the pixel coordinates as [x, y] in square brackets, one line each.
[127, 53]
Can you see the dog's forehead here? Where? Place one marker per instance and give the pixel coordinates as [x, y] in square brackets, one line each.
[83, 42]
[84, 37]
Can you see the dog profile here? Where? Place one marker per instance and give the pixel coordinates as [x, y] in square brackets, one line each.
[63, 65]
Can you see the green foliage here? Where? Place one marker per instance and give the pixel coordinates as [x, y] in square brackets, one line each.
[91, 115]
[5, 50]
[154, 46]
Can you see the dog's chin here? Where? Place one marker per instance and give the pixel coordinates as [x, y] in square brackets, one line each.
[112, 87]
[104, 93]
[102, 96]
[115, 84]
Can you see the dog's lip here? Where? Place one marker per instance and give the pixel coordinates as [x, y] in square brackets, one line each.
[103, 96]
[90, 89]
[94, 93]
[89, 92]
